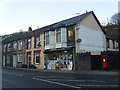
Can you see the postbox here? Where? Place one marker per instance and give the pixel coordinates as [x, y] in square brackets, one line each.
[104, 61]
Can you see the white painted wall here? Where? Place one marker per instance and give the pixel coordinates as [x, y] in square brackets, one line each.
[92, 40]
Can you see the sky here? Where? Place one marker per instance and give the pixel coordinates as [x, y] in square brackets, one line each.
[19, 15]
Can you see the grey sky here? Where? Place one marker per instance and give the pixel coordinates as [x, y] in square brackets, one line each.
[16, 16]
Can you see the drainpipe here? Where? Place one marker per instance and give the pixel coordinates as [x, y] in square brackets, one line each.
[74, 50]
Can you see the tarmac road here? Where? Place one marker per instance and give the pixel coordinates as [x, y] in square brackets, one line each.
[17, 78]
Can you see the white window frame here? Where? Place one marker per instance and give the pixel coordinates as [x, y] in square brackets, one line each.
[37, 41]
[15, 45]
[20, 57]
[4, 47]
[20, 44]
[47, 38]
[8, 47]
[58, 37]
[35, 55]
[29, 43]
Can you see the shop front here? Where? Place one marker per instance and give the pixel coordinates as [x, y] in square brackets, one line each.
[59, 59]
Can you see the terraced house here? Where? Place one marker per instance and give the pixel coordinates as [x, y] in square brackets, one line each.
[64, 45]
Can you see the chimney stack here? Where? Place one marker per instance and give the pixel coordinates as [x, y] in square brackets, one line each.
[29, 29]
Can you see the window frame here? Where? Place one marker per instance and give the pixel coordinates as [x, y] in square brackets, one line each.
[4, 48]
[38, 52]
[29, 43]
[58, 35]
[36, 41]
[19, 60]
[47, 41]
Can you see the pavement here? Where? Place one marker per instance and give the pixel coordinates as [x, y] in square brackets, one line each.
[91, 72]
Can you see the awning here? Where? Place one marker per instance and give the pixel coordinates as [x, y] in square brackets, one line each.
[58, 50]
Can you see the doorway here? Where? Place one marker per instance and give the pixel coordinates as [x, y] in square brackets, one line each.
[14, 60]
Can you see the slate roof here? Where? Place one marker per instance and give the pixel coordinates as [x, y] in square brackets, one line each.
[63, 23]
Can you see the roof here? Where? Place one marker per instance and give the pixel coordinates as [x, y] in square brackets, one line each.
[63, 23]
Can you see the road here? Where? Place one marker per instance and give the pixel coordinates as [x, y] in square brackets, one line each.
[43, 79]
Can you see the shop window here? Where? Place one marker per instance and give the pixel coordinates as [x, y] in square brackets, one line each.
[37, 57]
[58, 35]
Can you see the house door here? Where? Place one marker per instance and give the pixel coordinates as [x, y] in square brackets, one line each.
[28, 59]
[14, 60]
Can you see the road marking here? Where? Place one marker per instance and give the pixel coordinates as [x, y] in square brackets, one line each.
[96, 81]
[67, 80]
[97, 85]
[57, 83]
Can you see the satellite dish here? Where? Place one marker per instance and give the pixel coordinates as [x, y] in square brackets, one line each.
[79, 40]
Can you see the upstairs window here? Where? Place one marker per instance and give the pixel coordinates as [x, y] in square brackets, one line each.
[4, 49]
[8, 47]
[29, 44]
[20, 43]
[15, 46]
[107, 43]
[46, 38]
[36, 42]
[58, 35]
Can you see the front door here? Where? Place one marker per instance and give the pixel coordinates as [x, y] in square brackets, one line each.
[3, 60]
[14, 60]
[28, 59]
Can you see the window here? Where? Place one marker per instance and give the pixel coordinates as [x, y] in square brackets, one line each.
[19, 57]
[113, 44]
[29, 43]
[46, 37]
[37, 57]
[8, 47]
[20, 45]
[15, 45]
[4, 48]
[8, 59]
[58, 35]
[36, 41]
[107, 43]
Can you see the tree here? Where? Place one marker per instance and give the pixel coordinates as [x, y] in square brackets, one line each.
[115, 18]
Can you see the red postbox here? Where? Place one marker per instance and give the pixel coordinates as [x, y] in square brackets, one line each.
[104, 61]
